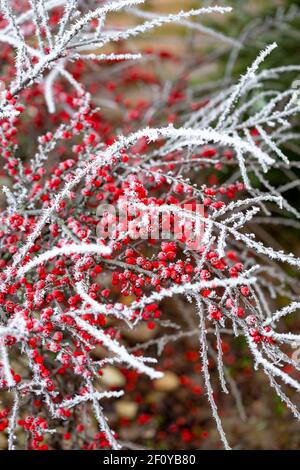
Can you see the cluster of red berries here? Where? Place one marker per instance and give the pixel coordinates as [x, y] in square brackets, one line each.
[62, 356]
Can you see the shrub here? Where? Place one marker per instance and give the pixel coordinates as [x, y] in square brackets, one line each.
[104, 210]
